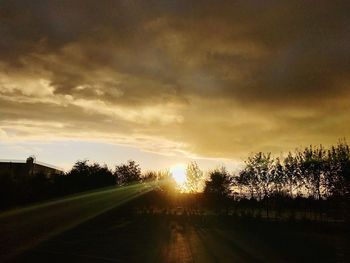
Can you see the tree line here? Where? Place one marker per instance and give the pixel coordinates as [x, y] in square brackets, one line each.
[82, 177]
[313, 182]
[315, 172]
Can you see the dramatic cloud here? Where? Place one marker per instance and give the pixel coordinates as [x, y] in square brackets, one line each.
[200, 77]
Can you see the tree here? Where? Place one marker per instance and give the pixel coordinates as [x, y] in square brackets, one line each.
[86, 176]
[278, 177]
[337, 174]
[219, 183]
[166, 181]
[257, 175]
[194, 177]
[312, 164]
[149, 176]
[292, 174]
[245, 182]
[343, 183]
[127, 173]
[101, 175]
[80, 168]
[263, 168]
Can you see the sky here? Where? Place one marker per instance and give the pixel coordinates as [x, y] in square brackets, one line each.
[165, 82]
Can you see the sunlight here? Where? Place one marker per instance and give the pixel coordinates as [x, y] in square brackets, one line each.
[178, 172]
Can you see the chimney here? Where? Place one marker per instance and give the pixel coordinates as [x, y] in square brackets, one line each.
[30, 160]
[30, 164]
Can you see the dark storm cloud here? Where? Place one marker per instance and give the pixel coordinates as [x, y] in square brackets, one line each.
[305, 46]
[261, 73]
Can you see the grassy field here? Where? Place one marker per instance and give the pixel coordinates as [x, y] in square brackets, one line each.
[25, 227]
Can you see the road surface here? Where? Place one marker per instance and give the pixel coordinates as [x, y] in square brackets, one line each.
[114, 237]
[96, 227]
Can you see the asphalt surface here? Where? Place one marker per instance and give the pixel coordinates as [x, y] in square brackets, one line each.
[115, 237]
[100, 227]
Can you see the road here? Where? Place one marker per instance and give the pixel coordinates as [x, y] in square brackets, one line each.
[114, 237]
[96, 227]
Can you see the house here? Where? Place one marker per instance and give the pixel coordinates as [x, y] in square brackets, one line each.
[30, 167]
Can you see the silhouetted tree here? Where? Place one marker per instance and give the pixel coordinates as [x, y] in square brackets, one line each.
[312, 164]
[85, 176]
[218, 188]
[257, 175]
[218, 184]
[80, 168]
[127, 173]
[343, 180]
[337, 174]
[246, 182]
[278, 177]
[292, 174]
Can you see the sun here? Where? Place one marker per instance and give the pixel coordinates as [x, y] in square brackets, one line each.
[178, 172]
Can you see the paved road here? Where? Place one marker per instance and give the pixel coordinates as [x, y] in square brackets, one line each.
[114, 237]
[170, 241]
[91, 227]
[190, 243]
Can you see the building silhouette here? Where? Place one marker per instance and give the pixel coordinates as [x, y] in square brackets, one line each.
[30, 167]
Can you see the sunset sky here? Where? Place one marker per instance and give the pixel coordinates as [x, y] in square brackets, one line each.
[165, 82]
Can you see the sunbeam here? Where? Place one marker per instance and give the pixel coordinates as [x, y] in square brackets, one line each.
[28, 226]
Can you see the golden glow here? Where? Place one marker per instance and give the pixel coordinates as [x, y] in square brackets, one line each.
[178, 172]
